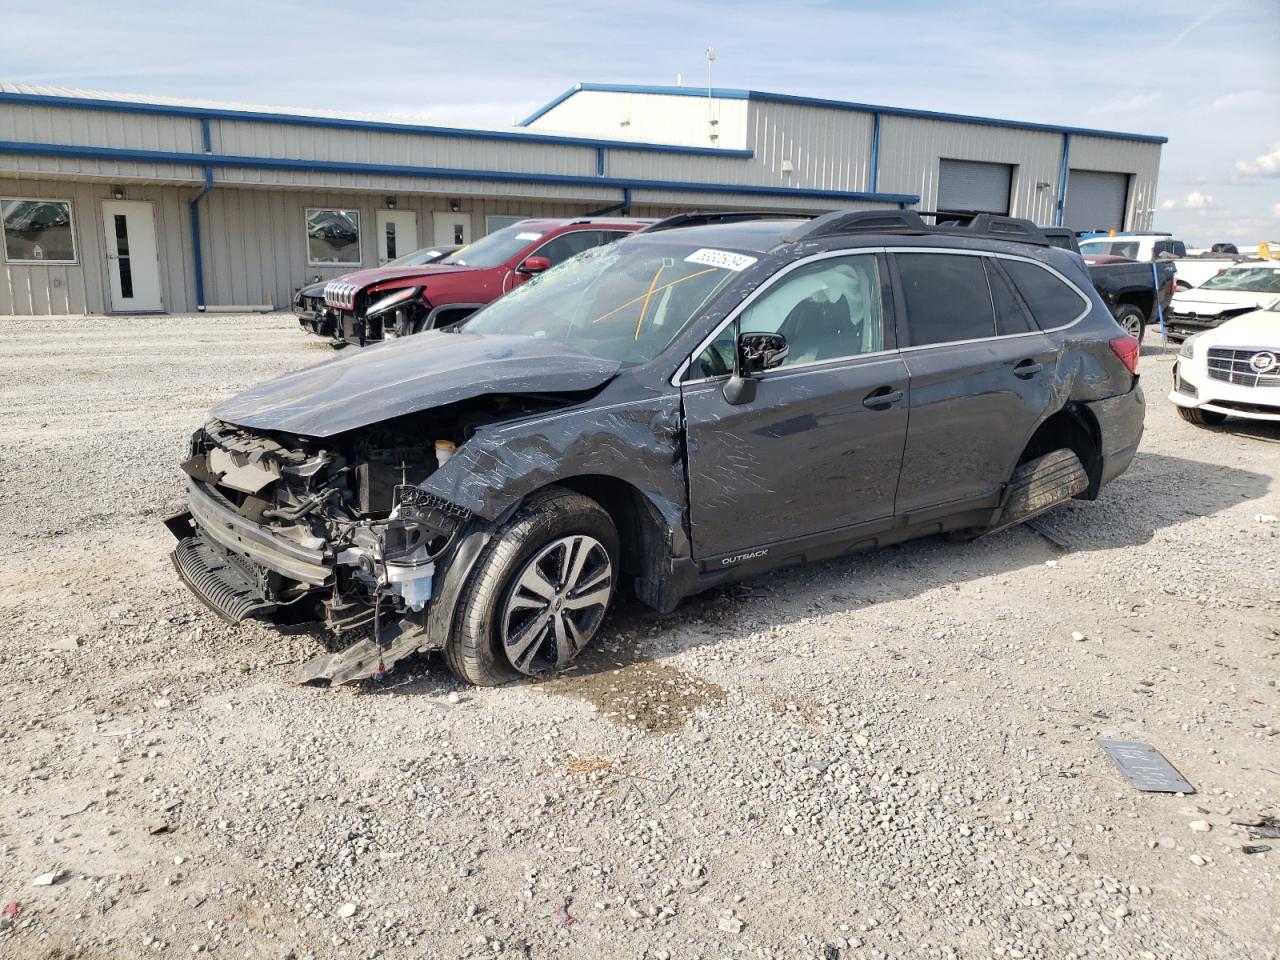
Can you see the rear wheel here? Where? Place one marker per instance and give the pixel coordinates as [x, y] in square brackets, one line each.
[1201, 418]
[539, 591]
[1132, 320]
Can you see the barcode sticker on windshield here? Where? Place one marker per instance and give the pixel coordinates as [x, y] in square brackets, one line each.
[528, 236]
[721, 258]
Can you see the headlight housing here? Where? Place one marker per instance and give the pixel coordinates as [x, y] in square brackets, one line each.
[391, 300]
[1188, 347]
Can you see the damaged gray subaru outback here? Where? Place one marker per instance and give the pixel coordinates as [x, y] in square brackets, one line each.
[712, 397]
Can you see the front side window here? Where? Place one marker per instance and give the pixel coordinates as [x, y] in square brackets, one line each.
[1053, 302]
[1250, 279]
[621, 301]
[946, 296]
[38, 231]
[827, 310]
[569, 245]
[333, 237]
[495, 248]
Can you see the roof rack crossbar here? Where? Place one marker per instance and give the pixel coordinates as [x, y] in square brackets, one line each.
[963, 224]
[697, 218]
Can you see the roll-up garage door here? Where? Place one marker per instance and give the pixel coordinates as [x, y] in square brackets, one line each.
[1095, 200]
[968, 185]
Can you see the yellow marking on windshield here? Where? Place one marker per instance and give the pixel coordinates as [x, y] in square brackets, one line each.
[644, 307]
[665, 286]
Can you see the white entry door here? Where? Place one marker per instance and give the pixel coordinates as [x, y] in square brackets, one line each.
[133, 264]
[451, 228]
[397, 234]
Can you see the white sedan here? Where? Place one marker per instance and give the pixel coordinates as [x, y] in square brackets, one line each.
[1232, 370]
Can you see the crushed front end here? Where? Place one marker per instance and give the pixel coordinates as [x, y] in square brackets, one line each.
[332, 530]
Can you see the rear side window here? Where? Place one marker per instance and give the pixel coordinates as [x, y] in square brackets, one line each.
[947, 297]
[1011, 315]
[1053, 302]
[571, 244]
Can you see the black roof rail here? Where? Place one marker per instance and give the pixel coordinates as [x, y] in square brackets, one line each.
[858, 221]
[699, 218]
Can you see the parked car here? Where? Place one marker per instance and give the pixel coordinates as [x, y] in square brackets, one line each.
[1235, 291]
[1232, 370]
[1135, 292]
[315, 317]
[1193, 271]
[373, 305]
[707, 400]
[1134, 246]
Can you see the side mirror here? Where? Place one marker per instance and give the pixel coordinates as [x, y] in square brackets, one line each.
[532, 265]
[757, 352]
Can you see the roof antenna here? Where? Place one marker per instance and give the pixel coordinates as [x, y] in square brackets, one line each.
[712, 122]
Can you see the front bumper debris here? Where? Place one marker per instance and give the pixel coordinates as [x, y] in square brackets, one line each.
[226, 586]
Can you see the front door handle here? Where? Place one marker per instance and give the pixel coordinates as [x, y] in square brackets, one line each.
[1027, 369]
[881, 397]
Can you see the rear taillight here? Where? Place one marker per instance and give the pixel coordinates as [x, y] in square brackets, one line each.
[1127, 349]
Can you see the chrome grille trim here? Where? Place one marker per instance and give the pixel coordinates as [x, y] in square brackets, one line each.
[340, 294]
[1231, 365]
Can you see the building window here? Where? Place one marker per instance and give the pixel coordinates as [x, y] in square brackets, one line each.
[333, 238]
[38, 231]
[494, 222]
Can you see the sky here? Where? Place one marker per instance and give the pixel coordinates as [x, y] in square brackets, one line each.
[1204, 73]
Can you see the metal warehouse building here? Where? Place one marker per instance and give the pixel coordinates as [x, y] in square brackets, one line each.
[128, 205]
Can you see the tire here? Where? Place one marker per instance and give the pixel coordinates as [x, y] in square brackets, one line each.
[1131, 320]
[1182, 285]
[496, 612]
[1201, 418]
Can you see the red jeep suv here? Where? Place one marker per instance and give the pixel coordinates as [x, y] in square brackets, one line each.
[389, 301]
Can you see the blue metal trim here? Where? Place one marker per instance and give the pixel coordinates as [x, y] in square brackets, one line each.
[206, 135]
[1062, 179]
[443, 173]
[626, 199]
[874, 179]
[550, 105]
[599, 161]
[726, 94]
[196, 254]
[253, 116]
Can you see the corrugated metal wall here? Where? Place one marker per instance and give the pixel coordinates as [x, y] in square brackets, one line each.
[82, 287]
[827, 149]
[1141, 160]
[911, 148]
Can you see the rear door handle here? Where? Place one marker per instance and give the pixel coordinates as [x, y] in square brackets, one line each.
[1027, 369]
[881, 397]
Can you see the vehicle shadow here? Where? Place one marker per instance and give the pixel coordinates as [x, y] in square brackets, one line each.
[1156, 493]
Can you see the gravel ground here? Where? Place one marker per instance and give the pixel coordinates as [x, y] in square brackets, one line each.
[890, 755]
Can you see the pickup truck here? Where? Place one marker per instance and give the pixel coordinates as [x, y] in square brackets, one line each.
[1134, 291]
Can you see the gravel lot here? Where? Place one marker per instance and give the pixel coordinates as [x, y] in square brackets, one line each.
[886, 756]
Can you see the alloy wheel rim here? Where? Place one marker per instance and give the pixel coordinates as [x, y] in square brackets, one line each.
[556, 603]
[1132, 325]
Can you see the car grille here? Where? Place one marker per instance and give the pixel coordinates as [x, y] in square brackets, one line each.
[1235, 365]
[340, 294]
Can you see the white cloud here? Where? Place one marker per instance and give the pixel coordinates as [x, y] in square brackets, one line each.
[1266, 165]
[1195, 200]
[1138, 103]
[1275, 211]
[1239, 98]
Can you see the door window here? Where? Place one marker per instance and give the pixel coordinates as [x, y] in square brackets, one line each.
[827, 310]
[1053, 302]
[569, 245]
[947, 297]
[1011, 315]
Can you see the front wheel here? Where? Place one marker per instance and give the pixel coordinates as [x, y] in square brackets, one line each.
[1201, 418]
[539, 591]
[1131, 320]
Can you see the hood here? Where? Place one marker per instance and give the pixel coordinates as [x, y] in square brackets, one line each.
[376, 275]
[1261, 328]
[1213, 302]
[404, 376]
